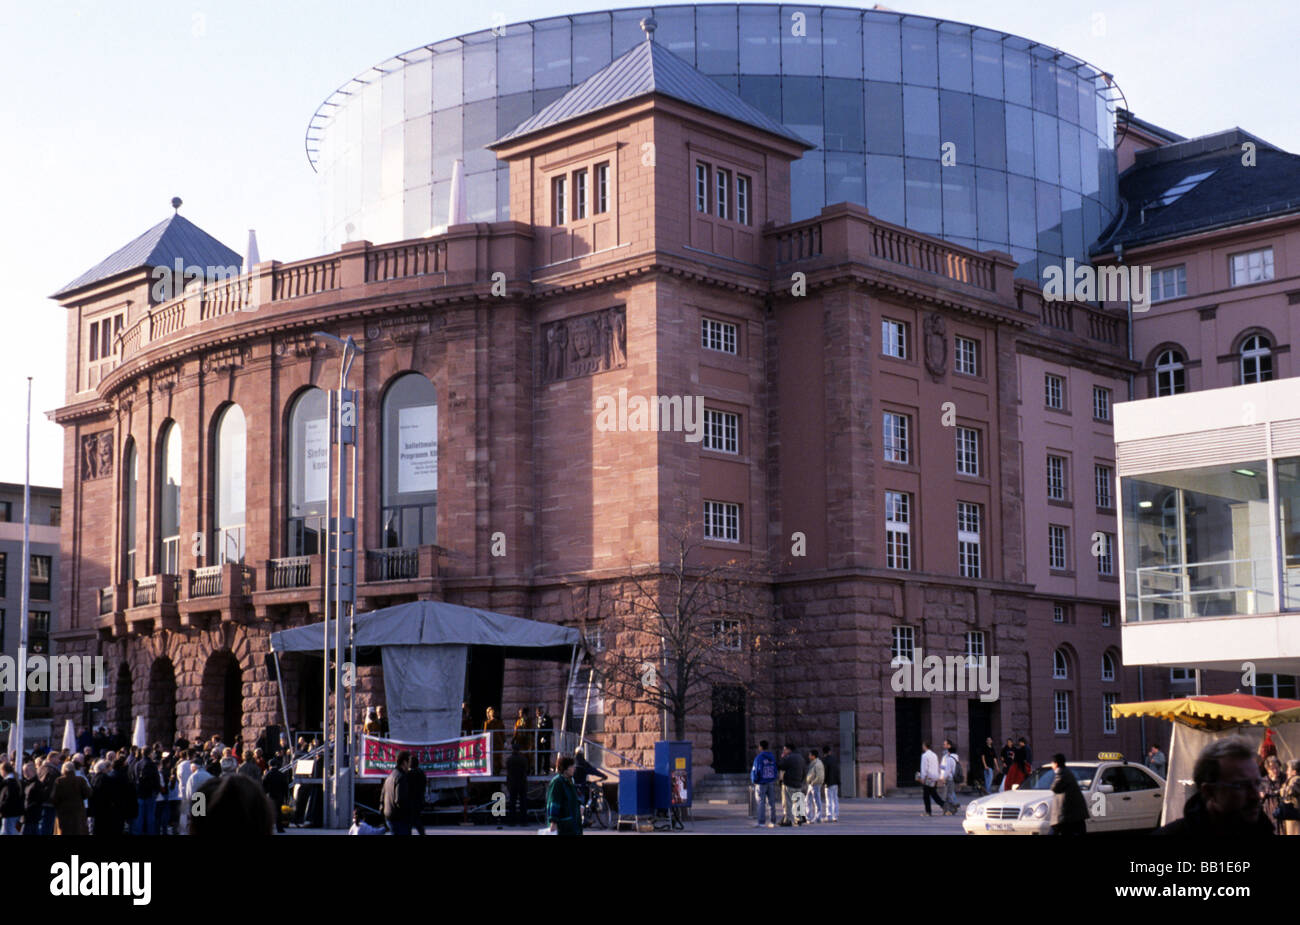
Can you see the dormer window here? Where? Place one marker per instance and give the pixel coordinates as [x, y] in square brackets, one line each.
[701, 187]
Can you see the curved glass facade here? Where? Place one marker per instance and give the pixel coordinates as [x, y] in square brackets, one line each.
[886, 97]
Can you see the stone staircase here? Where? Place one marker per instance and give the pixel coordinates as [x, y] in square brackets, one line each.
[722, 788]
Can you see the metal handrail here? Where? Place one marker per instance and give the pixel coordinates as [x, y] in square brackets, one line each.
[1179, 574]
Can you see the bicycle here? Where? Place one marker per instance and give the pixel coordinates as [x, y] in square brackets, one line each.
[595, 809]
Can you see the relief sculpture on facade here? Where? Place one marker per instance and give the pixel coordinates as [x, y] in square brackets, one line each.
[585, 344]
[96, 455]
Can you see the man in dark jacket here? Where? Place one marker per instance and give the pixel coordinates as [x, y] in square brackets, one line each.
[395, 794]
[11, 800]
[1069, 808]
[793, 769]
[112, 800]
[34, 795]
[563, 806]
[1226, 802]
[48, 773]
[417, 786]
[516, 784]
[144, 775]
[277, 788]
[832, 769]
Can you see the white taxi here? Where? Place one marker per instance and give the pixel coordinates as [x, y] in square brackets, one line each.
[1121, 796]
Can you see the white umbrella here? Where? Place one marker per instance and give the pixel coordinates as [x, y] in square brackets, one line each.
[457, 209]
[69, 737]
[137, 736]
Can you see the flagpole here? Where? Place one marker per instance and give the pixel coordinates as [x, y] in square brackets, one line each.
[16, 733]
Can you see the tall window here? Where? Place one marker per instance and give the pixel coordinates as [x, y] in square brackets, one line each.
[723, 185]
[309, 466]
[1107, 667]
[966, 357]
[721, 431]
[1056, 478]
[1100, 403]
[131, 468]
[1169, 283]
[230, 478]
[742, 198]
[602, 187]
[1058, 613]
[975, 651]
[968, 540]
[579, 194]
[1251, 267]
[169, 500]
[701, 187]
[722, 521]
[895, 431]
[1256, 359]
[409, 507]
[1108, 723]
[1060, 665]
[1104, 477]
[968, 451]
[39, 582]
[1061, 712]
[559, 200]
[893, 338]
[1170, 376]
[1054, 391]
[1056, 548]
[1106, 555]
[898, 530]
[902, 646]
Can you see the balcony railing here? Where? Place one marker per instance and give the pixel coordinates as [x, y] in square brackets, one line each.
[397, 261]
[206, 581]
[210, 581]
[293, 572]
[397, 564]
[910, 250]
[1204, 589]
[146, 591]
[799, 243]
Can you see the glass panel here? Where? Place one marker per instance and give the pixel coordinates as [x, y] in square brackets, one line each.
[924, 211]
[844, 116]
[1288, 512]
[1072, 242]
[591, 45]
[807, 186]
[676, 31]
[921, 122]
[760, 41]
[990, 133]
[417, 141]
[1091, 221]
[1086, 90]
[885, 183]
[503, 194]
[763, 93]
[845, 178]
[417, 79]
[1020, 196]
[987, 56]
[447, 79]
[446, 141]
[1047, 157]
[481, 70]
[956, 125]
[1049, 218]
[1020, 140]
[881, 48]
[415, 210]
[1089, 166]
[481, 196]
[1069, 148]
[1044, 73]
[1015, 73]
[1067, 95]
[842, 43]
[512, 110]
[717, 51]
[480, 129]
[801, 54]
[991, 190]
[392, 154]
[627, 31]
[393, 95]
[515, 60]
[551, 65]
[1197, 542]
[920, 54]
[954, 58]
[958, 201]
[884, 118]
[801, 100]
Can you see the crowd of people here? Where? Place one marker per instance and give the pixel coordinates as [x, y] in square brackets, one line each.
[809, 786]
[107, 787]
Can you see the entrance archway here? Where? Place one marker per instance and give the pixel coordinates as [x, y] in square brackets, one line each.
[162, 702]
[222, 700]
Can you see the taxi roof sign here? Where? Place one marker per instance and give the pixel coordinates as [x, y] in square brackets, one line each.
[1110, 756]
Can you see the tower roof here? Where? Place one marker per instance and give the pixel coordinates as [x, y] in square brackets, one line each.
[646, 68]
[173, 238]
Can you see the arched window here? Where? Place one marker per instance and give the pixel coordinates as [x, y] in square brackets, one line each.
[169, 500]
[1060, 665]
[1107, 667]
[130, 507]
[309, 468]
[1256, 359]
[1171, 377]
[409, 501]
[229, 477]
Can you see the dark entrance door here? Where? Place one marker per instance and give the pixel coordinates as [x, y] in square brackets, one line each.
[729, 729]
[232, 722]
[980, 717]
[485, 673]
[909, 713]
[310, 684]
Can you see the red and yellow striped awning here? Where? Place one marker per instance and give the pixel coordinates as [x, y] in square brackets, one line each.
[1216, 711]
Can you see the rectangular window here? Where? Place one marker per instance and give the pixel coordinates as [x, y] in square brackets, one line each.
[1251, 267]
[893, 338]
[968, 540]
[56, 516]
[602, 187]
[40, 580]
[1058, 613]
[105, 341]
[1168, 283]
[902, 647]
[968, 451]
[1056, 478]
[1107, 616]
[701, 187]
[1062, 712]
[6, 511]
[966, 357]
[742, 199]
[1106, 555]
[723, 185]
[94, 340]
[1054, 388]
[895, 432]
[898, 530]
[975, 653]
[1104, 477]
[722, 521]
[721, 431]
[1181, 675]
[579, 194]
[1107, 715]
[718, 335]
[1056, 547]
[1100, 403]
[559, 200]
[726, 635]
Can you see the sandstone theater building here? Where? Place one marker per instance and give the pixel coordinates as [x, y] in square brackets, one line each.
[916, 413]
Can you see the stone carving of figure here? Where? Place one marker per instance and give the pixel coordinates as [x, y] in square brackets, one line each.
[605, 327]
[89, 457]
[618, 339]
[105, 454]
[936, 345]
[559, 355]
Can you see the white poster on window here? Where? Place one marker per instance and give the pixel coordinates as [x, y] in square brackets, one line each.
[417, 449]
[316, 450]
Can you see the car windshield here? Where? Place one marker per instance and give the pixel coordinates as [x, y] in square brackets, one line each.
[1043, 777]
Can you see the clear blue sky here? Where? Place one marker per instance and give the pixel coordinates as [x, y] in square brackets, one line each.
[110, 109]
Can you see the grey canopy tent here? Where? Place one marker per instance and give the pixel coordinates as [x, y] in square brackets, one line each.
[423, 646]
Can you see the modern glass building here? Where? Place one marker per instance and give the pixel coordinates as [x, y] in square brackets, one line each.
[886, 97]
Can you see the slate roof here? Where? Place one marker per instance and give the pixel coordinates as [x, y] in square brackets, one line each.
[646, 68]
[1232, 193]
[160, 246]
